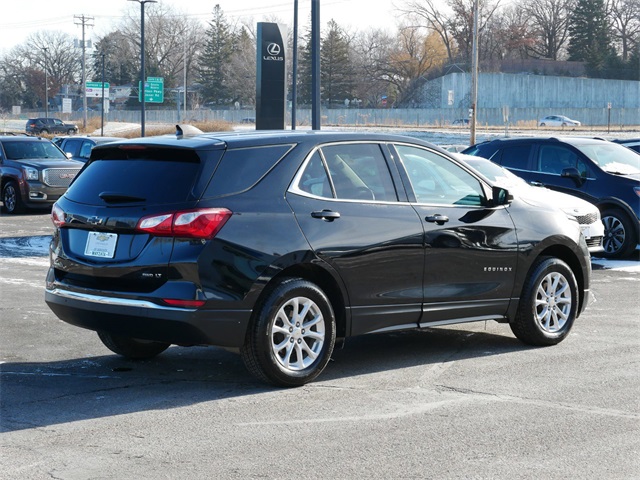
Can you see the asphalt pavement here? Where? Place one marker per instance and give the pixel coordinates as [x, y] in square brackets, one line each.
[465, 402]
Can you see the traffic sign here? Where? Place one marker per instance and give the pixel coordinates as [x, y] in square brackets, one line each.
[94, 89]
[153, 90]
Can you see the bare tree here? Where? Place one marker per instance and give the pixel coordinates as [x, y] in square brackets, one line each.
[549, 20]
[426, 13]
[25, 67]
[625, 16]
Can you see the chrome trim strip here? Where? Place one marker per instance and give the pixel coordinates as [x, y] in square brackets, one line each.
[482, 318]
[120, 302]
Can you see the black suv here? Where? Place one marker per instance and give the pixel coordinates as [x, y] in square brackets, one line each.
[279, 244]
[603, 173]
[34, 172]
[41, 126]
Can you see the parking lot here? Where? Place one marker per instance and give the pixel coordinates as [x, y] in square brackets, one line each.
[464, 402]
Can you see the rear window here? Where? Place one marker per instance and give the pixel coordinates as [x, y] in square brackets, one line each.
[241, 168]
[152, 175]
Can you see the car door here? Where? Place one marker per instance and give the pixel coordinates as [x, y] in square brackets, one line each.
[548, 163]
[346, 203]
[470, 247]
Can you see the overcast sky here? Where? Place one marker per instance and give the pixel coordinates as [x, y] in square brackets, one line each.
[18, 19]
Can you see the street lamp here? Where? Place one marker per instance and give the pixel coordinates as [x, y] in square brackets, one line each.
[142, 102]
[46, 85]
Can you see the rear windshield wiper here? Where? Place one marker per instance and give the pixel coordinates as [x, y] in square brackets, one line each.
[115, 197]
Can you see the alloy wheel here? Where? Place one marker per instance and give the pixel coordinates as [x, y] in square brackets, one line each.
[553, 302]
[298, 333]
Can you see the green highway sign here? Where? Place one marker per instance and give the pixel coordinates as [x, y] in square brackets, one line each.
[153, 90]
[94, 89]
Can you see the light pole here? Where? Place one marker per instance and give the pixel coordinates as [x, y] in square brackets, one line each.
[46, 85]
[142, 100]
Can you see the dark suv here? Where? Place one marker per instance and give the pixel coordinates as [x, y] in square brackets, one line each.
[40, 126]
[279, 244]
[603, 173]
[34, 172]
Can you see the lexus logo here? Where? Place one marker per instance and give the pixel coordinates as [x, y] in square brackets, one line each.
[273, 49]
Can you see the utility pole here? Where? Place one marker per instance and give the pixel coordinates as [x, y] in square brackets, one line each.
[315, 65]
[474, 75]
[84, 22]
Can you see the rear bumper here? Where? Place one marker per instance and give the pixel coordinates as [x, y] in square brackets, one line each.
[146, 320]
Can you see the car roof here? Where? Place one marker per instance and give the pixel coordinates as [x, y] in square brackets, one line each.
[219, 140]
[26, 138]
[569, 140]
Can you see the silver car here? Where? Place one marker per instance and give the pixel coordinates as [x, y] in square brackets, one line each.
[558, 121]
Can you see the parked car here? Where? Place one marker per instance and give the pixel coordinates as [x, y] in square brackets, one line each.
[34, 172]
[558, 121]
[603, 173]
[461, 121]
[79, 147]
[40, 126]
[587, 214]
[632, 143]
[280, 244]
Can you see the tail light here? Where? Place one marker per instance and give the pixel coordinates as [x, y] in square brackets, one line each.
[199, 223]
[57, 216]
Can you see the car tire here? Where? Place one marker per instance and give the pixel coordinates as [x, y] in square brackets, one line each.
[44, 131]
[132, 348]
[543, 124]
[548, 304]
[619, 236]
[71, 131]
[292, 334]
[11, 199]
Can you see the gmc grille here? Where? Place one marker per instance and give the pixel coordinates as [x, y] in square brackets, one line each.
[59, 177]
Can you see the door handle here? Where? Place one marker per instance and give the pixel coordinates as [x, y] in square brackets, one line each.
[326, 215]
[437, 218]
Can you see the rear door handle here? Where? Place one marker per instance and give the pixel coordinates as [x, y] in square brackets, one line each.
[326, 215]
[437, 218]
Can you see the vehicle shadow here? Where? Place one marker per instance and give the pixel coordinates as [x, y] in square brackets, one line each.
[37, 395]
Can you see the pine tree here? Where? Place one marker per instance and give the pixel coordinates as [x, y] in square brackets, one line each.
[337, 71]
[590, 40]
[216, 58]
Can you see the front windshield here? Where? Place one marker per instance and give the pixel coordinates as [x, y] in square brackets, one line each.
[31, 150]
[612, 158]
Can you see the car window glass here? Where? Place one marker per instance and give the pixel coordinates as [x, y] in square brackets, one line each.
[437, 180]
[31, 150]
[72, 146]
[159, 176]
[555, 158]
[85, 151]
[612, 157]
[314, 179]
[359, 171]
[241, 168]
[516, 156]
[57, 122]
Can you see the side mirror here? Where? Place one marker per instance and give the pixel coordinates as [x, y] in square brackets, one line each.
[574, 174]
[501, 196]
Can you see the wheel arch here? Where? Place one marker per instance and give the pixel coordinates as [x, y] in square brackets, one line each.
[327, 281]
[569, 257]
[615, 203]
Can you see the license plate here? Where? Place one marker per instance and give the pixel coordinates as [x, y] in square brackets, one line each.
[100, 244]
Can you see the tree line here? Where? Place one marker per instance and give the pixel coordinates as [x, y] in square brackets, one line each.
[365, 68]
